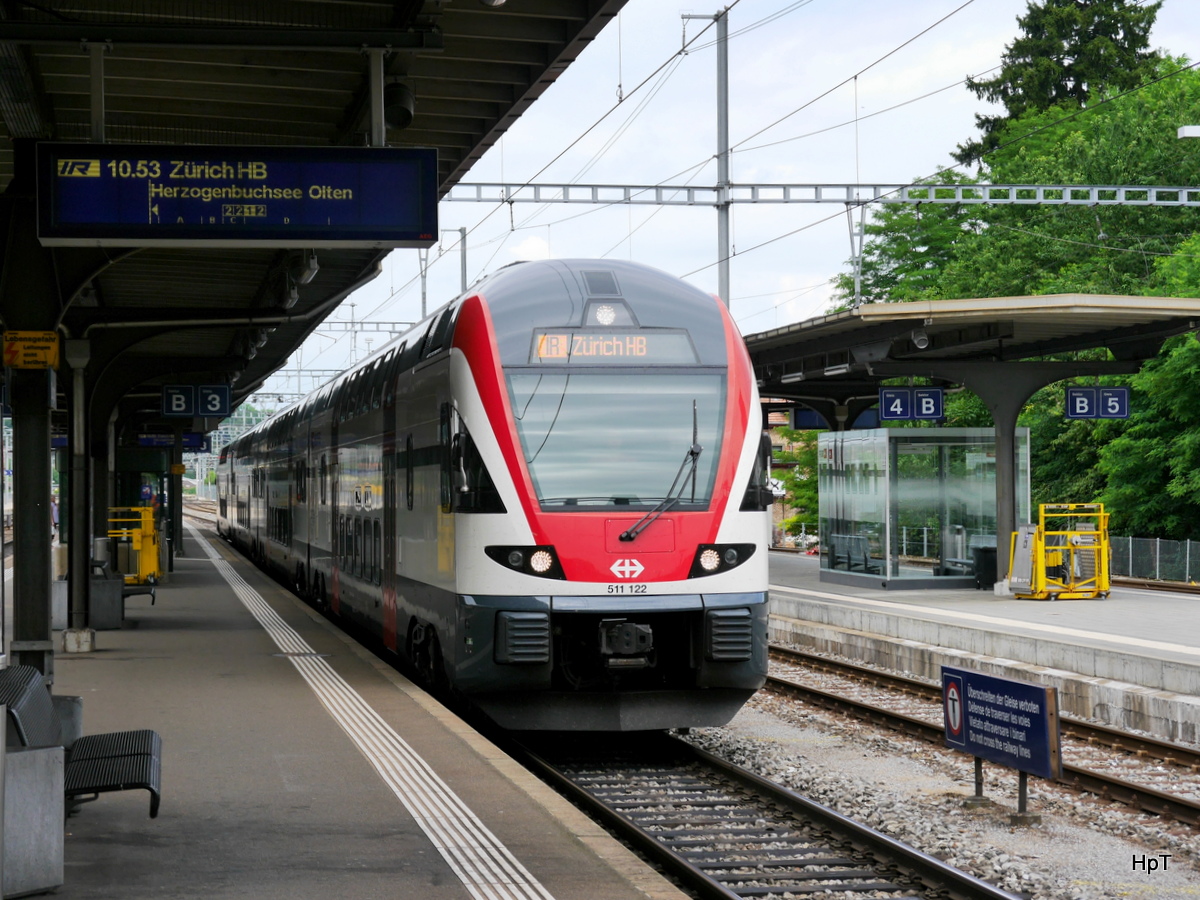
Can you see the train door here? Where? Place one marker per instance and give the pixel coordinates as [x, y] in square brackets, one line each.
[388, 575]
[335, 510]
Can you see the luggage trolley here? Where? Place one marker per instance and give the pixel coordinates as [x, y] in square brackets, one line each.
[1066, 556]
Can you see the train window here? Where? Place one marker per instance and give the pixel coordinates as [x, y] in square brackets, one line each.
[476, 491]
[439, 333]
[380, 380]
[653, 418]
[324, 478]
[408, 472]
[377, 552]
[358, 546]
[412, 350]
[758, 494]
[301, 481]
[364, 548]
[392, 373]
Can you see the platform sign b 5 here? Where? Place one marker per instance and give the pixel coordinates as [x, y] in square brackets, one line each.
[1097, 403]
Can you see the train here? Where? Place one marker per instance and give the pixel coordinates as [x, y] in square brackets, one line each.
[550, 497]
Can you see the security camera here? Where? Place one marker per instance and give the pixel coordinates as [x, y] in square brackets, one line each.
[920, 339]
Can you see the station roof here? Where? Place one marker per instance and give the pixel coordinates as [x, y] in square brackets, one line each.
[275, 73]
[848, 352]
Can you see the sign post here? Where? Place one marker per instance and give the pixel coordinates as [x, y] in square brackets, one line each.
[1014, 723]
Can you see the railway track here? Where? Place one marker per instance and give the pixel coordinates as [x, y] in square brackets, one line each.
[724, 832]
[1149, 584]
[1096, 759]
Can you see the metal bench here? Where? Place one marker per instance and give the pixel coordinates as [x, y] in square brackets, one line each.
[95, 763]
[128, 590]
[850, 552]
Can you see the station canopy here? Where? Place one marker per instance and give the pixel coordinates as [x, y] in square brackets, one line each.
[269, 74]
[839, 360]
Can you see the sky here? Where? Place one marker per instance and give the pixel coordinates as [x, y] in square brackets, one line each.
[821, 92]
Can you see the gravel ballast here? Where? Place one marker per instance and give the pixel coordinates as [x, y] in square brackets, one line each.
[1083, 849]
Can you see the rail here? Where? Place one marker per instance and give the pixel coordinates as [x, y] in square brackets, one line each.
[725, 832]
[927, 726]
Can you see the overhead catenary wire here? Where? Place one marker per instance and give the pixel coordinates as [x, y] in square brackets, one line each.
[670, 63]
[950, 168]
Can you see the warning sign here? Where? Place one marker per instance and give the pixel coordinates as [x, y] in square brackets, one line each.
[1014, 723]
[31, 349]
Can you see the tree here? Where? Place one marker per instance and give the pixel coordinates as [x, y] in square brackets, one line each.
[1128, 140]
[1151, 471]
[1069, 52]
[906, 248]
[799, 479]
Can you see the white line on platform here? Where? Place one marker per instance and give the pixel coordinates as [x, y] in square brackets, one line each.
[484, 865]
[1117, 639]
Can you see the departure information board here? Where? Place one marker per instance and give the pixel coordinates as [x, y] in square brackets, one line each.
[147, 195]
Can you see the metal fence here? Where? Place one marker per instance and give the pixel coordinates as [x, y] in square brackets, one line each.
[1156, 558]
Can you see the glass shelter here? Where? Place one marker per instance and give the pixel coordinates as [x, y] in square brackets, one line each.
[905, 508]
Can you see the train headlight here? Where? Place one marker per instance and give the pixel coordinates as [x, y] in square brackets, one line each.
[712, 559]
[540, 561]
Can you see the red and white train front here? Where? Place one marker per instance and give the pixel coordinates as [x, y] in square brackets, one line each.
[610, 529]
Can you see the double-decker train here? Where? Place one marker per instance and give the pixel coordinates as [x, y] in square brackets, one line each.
[550, 495]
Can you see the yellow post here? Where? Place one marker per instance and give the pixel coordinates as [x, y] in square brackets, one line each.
[135, 525]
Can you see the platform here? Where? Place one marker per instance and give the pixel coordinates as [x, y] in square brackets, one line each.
[296, 765]
[1132, 660]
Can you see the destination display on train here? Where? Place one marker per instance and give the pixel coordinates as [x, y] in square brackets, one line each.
[622, 348]
[147, 195]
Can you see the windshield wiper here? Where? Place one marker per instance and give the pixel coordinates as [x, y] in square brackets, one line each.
[672, 497]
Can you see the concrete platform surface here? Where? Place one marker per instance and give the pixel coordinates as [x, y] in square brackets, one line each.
[295, 765]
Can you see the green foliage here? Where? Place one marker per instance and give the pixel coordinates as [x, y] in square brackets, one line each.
[1069, 52]
[799, 479]
[1152, 469]
[1146, 470]
[1083, 249]
[907, 247]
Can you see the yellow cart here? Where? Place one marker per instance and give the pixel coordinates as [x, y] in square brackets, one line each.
[1066, 556]
[137, 541]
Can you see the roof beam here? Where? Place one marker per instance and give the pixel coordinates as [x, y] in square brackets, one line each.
[347, 40]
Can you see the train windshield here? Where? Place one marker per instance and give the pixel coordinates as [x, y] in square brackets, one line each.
[607, 439]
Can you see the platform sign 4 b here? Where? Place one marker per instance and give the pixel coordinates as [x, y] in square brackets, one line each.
[1097, 403]
[908, 404]
[1013, 723]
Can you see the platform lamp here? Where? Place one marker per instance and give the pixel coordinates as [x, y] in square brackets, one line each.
[399, 104]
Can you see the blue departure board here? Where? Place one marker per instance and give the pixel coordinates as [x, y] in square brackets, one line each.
[146, 195]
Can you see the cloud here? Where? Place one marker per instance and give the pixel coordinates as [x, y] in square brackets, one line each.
[532, 247]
